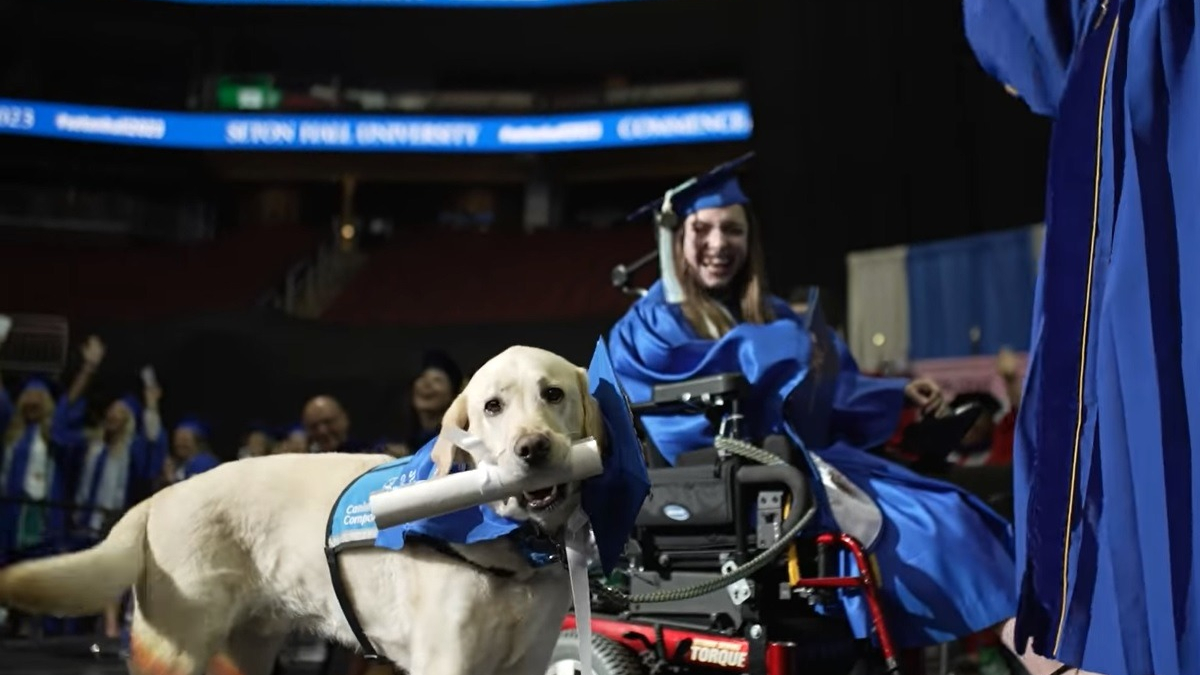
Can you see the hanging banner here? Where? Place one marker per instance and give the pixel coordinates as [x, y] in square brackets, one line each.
[402, 3]
[379, 133]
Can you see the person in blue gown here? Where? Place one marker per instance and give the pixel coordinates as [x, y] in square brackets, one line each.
[121, 467]
[42, 445]
[1106, 464]
[257, 441]
[190, 450]
[945, 558]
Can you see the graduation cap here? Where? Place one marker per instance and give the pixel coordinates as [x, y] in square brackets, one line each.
[717, 188]
[134, 404]
[36, 383]
[194, 425]
[810, 405]
[613, 499]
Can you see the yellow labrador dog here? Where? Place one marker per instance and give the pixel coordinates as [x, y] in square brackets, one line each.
[226, 564]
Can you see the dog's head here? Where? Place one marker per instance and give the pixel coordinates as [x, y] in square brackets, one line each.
[528, 406]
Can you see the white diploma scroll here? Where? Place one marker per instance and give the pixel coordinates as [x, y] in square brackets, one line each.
[486, 483]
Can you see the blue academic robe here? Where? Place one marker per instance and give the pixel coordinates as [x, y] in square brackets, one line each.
[64, 446]
[1105, 467]
[945, 558]
[146, 459]
[198, 464]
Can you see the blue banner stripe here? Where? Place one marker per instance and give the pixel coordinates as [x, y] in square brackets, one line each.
[464, 4]
[379, 133]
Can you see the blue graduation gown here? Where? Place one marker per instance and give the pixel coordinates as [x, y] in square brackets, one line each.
[146, 459]
[198, 464]
[945, 558]
[1104, 454]
[64, 446]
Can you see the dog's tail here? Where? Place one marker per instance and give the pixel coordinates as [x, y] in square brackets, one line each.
[82, 583]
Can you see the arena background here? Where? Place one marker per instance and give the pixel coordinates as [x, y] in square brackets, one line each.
[873, 126]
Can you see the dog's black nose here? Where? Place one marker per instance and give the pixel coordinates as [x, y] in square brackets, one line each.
[533, 448]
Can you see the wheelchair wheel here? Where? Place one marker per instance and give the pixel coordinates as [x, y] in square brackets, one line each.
[608, 657]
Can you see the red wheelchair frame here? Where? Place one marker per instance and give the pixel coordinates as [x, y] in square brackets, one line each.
[640, 636]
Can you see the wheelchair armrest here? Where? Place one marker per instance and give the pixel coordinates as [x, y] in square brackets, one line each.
[701, 389]
[796, 482]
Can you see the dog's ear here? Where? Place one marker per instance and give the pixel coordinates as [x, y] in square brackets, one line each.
[593, 419]
[445, 453]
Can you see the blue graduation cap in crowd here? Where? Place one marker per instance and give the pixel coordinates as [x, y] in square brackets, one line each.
[134, 403]
[36, 383]
[717, 188]
[612, 499]
[194, 425]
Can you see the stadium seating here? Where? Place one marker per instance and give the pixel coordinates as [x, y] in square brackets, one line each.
[145, 281]
[445, 278]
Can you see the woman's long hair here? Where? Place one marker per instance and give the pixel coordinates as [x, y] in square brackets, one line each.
[705, 314]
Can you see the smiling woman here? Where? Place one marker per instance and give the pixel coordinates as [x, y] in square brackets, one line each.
[439, 380]
[714, 260]
[714, 244]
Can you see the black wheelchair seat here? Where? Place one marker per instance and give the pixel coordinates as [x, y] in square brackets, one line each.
[700, 498]
[708, 509]
[689, 496]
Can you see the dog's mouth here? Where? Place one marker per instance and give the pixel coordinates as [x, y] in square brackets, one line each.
[540, 500]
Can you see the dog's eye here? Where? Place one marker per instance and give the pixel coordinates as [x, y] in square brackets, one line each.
[552, 394]
[493, 406]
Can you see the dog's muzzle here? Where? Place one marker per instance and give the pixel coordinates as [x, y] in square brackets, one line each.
[533, 449]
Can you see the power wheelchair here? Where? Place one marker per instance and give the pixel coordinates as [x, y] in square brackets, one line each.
[715, 511]
[717, 580]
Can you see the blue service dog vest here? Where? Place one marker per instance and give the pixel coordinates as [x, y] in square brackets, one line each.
[610, 500]
[351, 522]
[351, 525]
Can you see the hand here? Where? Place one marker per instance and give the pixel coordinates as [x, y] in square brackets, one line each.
[927, 395]
[1006, 363]
[92, 351]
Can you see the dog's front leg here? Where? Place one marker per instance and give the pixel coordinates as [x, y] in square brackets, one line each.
[541, 632]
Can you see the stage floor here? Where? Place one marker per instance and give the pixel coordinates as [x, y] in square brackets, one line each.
[76, 656]
[56, 656]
